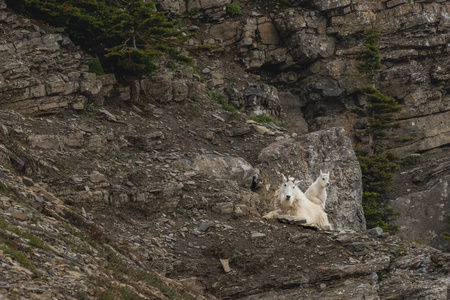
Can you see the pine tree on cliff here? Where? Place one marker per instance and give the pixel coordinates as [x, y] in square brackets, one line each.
[127, 35]
[370, 55]
[379, 109]
[378, 115]
[142, 34]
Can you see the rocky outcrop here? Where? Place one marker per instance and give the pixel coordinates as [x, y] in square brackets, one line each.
[424, 212]
[309, 49]
[423, 201]
[306, 50]
[44, 71]
[303, 158]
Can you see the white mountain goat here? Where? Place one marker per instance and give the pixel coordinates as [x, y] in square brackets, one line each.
[317, 192]
[291, 201]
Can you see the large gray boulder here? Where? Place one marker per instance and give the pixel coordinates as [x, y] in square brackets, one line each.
[304, 157]
[423, 214]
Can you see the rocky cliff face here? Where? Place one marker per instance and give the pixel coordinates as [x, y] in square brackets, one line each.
[307, 50]
[113, 200]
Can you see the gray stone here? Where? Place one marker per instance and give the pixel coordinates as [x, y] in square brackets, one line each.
[428, 208]
[97, 177]
[303, 158]
[223, 167]
[180, 90]
[19, 215]
[257, 235]
[158, 88]
[268, 33]
[205, 226]
[357, 248]
[375, 232]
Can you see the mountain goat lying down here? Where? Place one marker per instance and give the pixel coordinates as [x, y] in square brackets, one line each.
[291, 201]
[317, 192]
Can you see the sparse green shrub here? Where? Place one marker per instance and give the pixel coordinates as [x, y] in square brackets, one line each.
[222, 100]
[89, 107]
[122, 271]
[234, 9]
[33, 240]
[96, 67]
[20, 258]
[230, 108]
[194, 11]
[409, 160]
[399, 252]
[236, 258]
[201, 49]
[381, 275]
[265, 119]
[194, 111]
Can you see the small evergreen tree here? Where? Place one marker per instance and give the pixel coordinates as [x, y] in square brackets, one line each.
[378, 115]
[370, 55]
[144, 34]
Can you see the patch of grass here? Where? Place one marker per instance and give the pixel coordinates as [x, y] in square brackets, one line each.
[133, 275]
[33, 240]
[14, 148]
[196, 72]
[20, 258]
[265, 120]
[13, 247]
[230, 108]
[194, 111]
[222, 100]
[399, 252]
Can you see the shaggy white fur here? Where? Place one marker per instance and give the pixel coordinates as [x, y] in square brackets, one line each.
[291, 201]
[317, 192]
